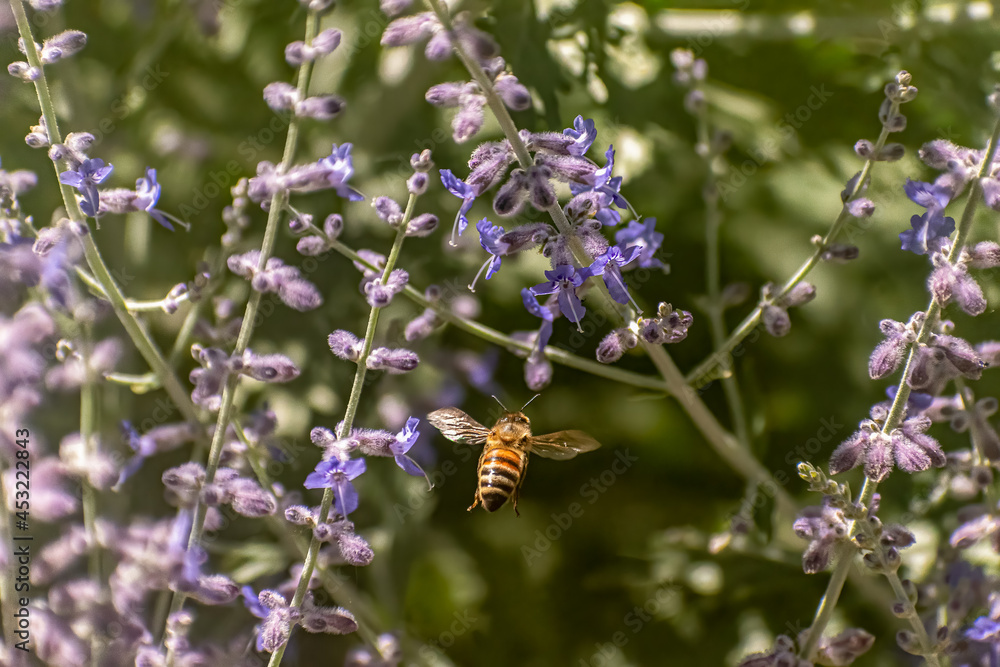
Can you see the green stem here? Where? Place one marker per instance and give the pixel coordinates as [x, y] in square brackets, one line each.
[720, 357]
[88, 421]
[713, 279]
[898, 411]
[722, 441]
[278, 201]
[352, 407]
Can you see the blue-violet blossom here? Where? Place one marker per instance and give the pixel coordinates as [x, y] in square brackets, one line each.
[583, 132]
[337, 475]
[609, 266]
[644, 236]
[86, 178]
[563, 281]
[463, 191]
[930, 227]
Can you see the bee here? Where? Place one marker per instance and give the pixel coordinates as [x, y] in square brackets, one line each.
[504, 460]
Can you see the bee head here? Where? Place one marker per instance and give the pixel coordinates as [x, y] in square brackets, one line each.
[513, 421]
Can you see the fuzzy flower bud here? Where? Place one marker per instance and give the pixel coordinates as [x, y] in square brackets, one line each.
[345, 345]
[422, 225]
[280, 96]
[397, 360]
[537, 371]
[776, 320]
[63, 45]
[269, 367]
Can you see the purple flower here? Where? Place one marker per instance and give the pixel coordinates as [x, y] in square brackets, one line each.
[405, 439]
[489, 238]
[909, 445]
[583, 133]
[644, 236]
[609, 265]
[824, 526]
[985, 629]
[463, 191]
[563, 281]
[143, 448]
[932, 197]
[148, 191]
[340, 168]
[86, 178]
[604, 183]
[252, 603]
[278, 621]
[337, 475]
[545, 331]
[932, 226]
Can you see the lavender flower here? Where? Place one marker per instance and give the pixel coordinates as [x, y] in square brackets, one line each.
[331, 620]
[669, 325]
[644, 236]
[337, 475]
[583, 133]
[929, 229]
[340, 166]
[825, 527]
[393, 360]
[491, 239]
[603, 183]
[466, 193]
[543, 312]
[286, 281]
[378, 295]
[909, 445]
[952, 282]
[563, 281]
[609, 265]
[404, 440]
[279, 618]
[86, 178]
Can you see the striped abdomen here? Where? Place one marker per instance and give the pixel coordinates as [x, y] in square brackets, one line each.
[499, 475]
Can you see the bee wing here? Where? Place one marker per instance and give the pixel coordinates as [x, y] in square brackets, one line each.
[458, 427]
[562, 445]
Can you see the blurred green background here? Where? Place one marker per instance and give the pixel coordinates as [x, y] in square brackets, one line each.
[177, 85]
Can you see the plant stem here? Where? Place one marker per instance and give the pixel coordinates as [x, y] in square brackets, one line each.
[713, 278]
[352, 407]
[278, 201]
[88, 435]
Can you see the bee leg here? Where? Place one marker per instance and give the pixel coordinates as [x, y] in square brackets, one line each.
[476, 502]
[514, 499]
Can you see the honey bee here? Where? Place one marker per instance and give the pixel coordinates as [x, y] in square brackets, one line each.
[504, 460]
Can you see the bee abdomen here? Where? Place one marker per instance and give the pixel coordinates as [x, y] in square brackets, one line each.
[499, 476]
